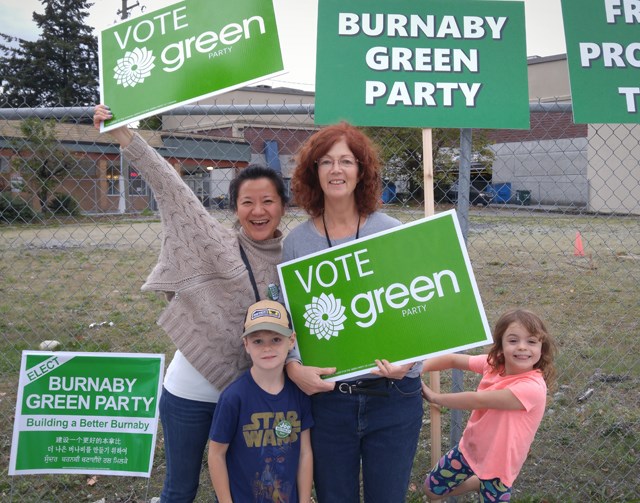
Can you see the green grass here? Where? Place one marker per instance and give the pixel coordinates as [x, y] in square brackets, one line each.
[584, 452]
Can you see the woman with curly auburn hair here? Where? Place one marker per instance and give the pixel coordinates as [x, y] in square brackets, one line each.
[366, 428]
[304, 184]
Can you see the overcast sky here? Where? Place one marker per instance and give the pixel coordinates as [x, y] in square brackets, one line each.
[296, 24]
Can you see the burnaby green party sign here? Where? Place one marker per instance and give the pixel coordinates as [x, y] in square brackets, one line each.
[86, 413]
[603, 51]
[422, 63]
[186, 51]
[401, 295]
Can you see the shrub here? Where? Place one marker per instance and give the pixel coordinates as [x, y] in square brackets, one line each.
[63, 205]
[14, 210]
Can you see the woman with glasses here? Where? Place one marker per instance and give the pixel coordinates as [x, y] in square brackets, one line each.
[371, 422]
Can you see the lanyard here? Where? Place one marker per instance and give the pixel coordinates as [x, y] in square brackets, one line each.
[250, 271]
[326, 232]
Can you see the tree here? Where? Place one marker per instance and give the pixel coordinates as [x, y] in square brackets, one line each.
[401, 153]
[153, 123]
[40, 160]
[60, 68]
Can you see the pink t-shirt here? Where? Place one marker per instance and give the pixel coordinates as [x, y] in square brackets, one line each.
[496, 442]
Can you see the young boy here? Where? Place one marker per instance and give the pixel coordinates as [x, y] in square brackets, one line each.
[260, 449]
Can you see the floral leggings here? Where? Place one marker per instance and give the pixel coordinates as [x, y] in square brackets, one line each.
[452, 470]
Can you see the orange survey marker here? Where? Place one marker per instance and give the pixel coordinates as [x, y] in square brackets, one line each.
[578, 249]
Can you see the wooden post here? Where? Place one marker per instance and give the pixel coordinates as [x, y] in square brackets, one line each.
[427, 159]
[429, 210]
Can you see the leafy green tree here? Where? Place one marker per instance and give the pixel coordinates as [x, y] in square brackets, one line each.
[60, 68]
[401, 152]
[154, 123]
[40, 159]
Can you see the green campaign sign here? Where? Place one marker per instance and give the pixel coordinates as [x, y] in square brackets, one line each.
[603, 51]
[401, 295]
[86, 413]
[184, 52]
[422, 63]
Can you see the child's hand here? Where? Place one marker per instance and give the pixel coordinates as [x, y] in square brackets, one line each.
[391, 371]
[428, 394]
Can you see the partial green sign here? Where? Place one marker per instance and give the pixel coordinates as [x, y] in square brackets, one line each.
[603, 50]
[86, 413]
[425, 63]
[401, 295]
[184, 52]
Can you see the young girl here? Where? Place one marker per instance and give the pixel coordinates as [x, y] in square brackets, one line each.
[507, 409]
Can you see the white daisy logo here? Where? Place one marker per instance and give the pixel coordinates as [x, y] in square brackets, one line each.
[134, 67]
[325, 316]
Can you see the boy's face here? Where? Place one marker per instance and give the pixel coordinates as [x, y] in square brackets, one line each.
[268, 350]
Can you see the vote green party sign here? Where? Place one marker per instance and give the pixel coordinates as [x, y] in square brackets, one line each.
[400, 295]
[183, 52]
[86, 413]
[422, 63]
[603, 51]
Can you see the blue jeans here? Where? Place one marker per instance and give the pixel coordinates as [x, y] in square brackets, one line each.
[378, 433]
[185, 424]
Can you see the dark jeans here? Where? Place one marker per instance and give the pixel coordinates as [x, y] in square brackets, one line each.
[378, 433]
[185, 424]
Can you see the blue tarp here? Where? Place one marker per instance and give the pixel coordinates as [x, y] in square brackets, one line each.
[271, 155]
[389, 192]
[501, 192]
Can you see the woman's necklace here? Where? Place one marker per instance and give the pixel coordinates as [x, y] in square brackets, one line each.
[326, 232]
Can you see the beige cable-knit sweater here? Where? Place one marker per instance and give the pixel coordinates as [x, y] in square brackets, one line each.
[201, 269]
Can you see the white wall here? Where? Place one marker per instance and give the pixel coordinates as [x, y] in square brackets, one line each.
[555, 171]
[614, 168]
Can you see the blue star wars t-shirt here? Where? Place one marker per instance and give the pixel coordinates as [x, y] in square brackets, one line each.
[263, 433]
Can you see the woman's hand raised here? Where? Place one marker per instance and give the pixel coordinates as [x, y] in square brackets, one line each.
[122, 135]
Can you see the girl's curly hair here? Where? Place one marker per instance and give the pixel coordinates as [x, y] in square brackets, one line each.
[536, 327]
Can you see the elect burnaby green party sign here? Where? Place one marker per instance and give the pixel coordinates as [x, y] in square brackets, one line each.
[86, 413]
[186, 51]
[603, 50]
[400, 295]
[422, 63]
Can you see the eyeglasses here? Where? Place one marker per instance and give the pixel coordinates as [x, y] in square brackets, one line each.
[343, 162]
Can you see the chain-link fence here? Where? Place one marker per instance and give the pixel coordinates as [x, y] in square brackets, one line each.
[551, 220]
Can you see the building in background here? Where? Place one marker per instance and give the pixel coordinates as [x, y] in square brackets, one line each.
[593, 167]
[101, 184]
[274, 137]
[590, 167]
